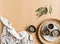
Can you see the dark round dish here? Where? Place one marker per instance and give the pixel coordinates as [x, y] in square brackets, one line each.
[50, 26]
[32, 28]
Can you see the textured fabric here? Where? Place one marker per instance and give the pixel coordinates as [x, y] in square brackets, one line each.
[10, 36]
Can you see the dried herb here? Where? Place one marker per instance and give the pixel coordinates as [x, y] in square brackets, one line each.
[42, 10]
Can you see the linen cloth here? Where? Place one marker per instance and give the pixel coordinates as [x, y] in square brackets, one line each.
[10, 36]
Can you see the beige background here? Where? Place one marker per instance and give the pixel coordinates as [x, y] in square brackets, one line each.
[21, 13]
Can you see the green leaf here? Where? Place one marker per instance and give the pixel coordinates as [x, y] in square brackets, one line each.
[41, 11]
[50, 9]
[38, 10]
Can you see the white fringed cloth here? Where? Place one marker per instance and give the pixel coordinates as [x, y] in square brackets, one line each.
[10, 36]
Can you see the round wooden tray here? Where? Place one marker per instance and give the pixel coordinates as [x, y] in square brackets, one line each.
[57, 22]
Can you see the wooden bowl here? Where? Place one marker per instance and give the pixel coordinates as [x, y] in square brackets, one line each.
[41, 38]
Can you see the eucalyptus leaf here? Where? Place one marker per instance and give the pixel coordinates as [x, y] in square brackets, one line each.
[50, 9]
[41, 11]
[38, 10]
